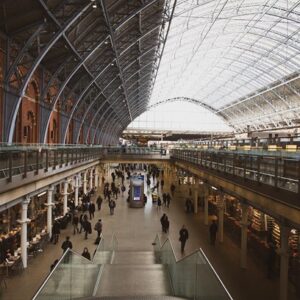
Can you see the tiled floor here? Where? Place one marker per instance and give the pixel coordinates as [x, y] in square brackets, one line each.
[135, 229]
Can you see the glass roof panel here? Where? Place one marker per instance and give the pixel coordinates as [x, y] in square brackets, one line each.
[219, 51]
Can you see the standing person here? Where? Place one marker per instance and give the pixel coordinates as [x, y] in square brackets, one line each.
[163, 223]
[55, 232]
[81, 221]
[99, 202]
[167, 224]
[164, 196]
[75, 223]
[66, 244]
[87, 227]
[158, 204]
[92, 209]
[123, 189]
[183, 237]
[168, 200]
[98, 227]
[213, 229]
[86, 253]
[162, 183]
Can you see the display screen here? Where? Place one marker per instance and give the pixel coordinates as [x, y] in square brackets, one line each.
[137, 193]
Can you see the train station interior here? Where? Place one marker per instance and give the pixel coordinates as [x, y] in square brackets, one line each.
[150, 149]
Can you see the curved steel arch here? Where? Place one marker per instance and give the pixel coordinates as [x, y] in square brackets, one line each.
[36, 63]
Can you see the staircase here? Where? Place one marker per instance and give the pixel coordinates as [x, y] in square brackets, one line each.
[116, 273]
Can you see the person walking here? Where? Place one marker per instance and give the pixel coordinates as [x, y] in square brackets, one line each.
[98, 227]
[55, 232]
[162, 183]
[66, 244]
[75, 223]
[158, 204]
[168, 200]
[99, 202]
[163, 223]
[213, 229]
[87, 227]
[112, 205]
[183, 237]
[92, 209]
[86, 253]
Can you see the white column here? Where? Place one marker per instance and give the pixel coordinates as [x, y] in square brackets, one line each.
[49, 210]
[65, 194]
[244, 233]
[91, 179]
[84, 183]
[96, 178]
[24, 220]
[76, 189]
[284, 262]
[221, 221]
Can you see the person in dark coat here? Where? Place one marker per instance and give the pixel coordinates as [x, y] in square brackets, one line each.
[66, 244]
[75, 223]
[98, 227]
[168, 200]
[55, 232]
[86, 253]
[99, 202]
[163, 223]
[92, 210]
[213, 229]
[112, 205]
[87, 227]
[183, 237]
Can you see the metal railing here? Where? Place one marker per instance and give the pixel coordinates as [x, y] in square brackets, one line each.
[193, 276]
[281, 172]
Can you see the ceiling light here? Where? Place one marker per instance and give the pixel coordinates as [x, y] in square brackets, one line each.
[112, 64]
[106, 42]
[94, 5]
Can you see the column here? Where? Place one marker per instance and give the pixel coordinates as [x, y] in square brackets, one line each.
[221, 219]
[84, 183]
[244, 233]
[24, 220]
[284, 261]
[76, 186]
[205, 209]
[91, 179]
[65, 194]
[195, 197]
[96, 178]
[49, 210]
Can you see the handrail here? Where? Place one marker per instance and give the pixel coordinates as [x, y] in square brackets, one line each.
[55, 267]
[198, 252]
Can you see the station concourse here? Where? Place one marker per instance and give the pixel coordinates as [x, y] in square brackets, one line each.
[190, 105]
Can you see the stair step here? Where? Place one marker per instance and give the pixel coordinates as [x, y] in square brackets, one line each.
[135, 298]
[134, 280]
[134, 257]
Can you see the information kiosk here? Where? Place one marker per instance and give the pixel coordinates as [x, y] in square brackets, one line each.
[137, 191]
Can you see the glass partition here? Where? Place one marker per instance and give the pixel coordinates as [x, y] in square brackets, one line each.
[73, 277]
[192, 276]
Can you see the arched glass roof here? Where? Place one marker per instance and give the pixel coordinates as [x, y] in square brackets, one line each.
[180, 116]
[220, 51]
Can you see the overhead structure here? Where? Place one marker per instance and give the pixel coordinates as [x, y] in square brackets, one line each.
[240, 58]
[80, 71]
[92, 63]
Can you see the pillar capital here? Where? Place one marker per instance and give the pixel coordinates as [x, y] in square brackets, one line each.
[26, 201]
[51, 188]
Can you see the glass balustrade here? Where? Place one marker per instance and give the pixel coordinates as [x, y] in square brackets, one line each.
[193, 276]
[73, 277]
